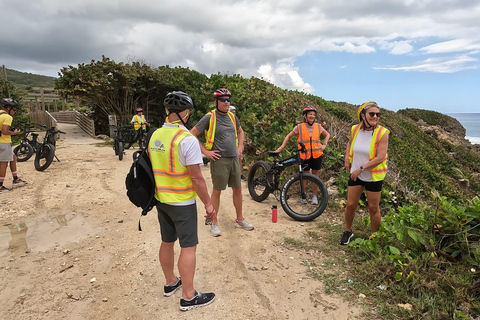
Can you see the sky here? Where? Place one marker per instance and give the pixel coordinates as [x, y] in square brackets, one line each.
[400, 53]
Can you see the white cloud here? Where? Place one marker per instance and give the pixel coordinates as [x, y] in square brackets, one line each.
[439, 65]
[455, 45]
[285, 76]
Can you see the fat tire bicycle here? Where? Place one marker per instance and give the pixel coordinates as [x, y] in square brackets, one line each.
[27, 147]
[138, 136]
[264, 179]
[46, 150]
[122, 134]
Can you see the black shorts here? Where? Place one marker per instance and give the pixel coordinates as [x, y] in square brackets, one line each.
[375, 186]
[314, 164]
[178, 222]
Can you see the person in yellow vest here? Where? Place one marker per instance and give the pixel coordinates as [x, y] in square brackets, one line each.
[139, 121]
[176, 157]
[224, 146]
[366, 160]
[9, 107]
[309, 132]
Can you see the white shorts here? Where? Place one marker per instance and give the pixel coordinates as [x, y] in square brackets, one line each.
[6, 152]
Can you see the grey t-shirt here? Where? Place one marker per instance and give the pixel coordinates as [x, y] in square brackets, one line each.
[224, 139]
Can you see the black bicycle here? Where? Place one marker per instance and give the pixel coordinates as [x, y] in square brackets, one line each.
[297, 190]
[139, 136]
[46, 150]
[122, 135]
[27, 147]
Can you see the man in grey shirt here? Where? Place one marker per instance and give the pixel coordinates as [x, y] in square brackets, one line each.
[224, 146]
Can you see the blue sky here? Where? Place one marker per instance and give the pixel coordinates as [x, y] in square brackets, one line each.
[400, 53]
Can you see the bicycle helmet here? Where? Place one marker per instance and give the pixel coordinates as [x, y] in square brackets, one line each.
[221, 92]
[362, 108]
[139, 110]
[177, 101]
[232, 109]
[307, 109]
[9, 102]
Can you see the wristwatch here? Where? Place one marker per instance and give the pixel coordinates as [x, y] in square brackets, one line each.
[361, 168]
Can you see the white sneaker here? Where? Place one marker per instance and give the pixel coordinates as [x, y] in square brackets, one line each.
[215, 230]
[244, 225]
[303, 201]
[314, 200]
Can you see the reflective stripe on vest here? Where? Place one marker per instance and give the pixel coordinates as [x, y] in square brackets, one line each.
[212, 127]
[172, 181]
[139, 122]
[312, 145]
[380, 171]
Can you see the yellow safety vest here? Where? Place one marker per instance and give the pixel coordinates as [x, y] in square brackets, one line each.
[210, 132]
[139, 121]
[311, 143]
[172, 180]
[380, 171]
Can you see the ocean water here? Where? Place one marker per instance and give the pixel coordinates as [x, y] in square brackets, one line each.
[471, 122]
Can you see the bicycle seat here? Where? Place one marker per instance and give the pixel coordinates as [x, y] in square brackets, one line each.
[273, 153]
[34, 134]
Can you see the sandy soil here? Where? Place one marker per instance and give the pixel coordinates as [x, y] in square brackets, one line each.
[70, 249]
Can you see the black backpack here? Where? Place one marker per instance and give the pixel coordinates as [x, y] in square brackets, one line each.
[140, 182]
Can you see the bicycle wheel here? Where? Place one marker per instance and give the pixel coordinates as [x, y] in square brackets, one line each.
[23, 151]
[120, 150]
[44, 156]
[258, 185]
[115, 146]
[297, 205]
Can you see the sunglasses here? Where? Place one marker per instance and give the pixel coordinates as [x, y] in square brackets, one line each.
[374, 114]
[224, 99]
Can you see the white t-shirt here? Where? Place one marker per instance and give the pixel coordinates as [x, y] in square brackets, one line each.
[361, 154]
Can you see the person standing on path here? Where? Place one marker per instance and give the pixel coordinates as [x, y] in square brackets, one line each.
[9, 107]
[366, 160]
[224, 146]
[176, 157]
[309, 132]
[139, 121]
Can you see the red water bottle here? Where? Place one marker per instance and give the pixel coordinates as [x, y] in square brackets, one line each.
[274, 213]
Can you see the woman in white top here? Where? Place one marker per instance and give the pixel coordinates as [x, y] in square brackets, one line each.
[366, 160]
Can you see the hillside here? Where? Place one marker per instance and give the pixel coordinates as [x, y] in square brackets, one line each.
[24, 81]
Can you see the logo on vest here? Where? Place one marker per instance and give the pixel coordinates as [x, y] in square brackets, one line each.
[158, 146]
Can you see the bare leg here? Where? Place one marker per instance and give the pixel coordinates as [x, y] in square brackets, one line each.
[353, 196]
[186, 268]
[166, 257]
[237, 202]
[3, 169]
[216, 201]
[374, 209]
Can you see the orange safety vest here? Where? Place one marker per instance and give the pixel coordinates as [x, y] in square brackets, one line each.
[313, 143]
[172, 180]
[210, 132]
[380, 171]
[139, 122]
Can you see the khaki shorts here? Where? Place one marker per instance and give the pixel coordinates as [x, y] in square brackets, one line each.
[225, 171]
[6, 152]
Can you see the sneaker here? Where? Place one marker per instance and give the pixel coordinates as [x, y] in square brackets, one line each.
[347, 235]
[198, 300]
[243, 178]
[244, 225]
[208, 222]
[170, 289]
[314, 200]
[215, 230]
[303, 200]
[19, 183]
[4, 189]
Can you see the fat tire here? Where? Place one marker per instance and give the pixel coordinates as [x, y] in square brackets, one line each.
[259, 178]
[23, 151]
[120, 150]
[46, 152]
[115, 146]
[289, 198]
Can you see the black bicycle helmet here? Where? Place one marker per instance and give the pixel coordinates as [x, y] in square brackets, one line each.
[9, 102]
[307, 109]
[177, 101]
[221, 93]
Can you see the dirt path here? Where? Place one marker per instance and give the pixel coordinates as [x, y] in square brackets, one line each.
[70, 249]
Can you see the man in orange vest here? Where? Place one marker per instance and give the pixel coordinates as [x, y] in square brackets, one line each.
[309, 132]
[224, 147]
